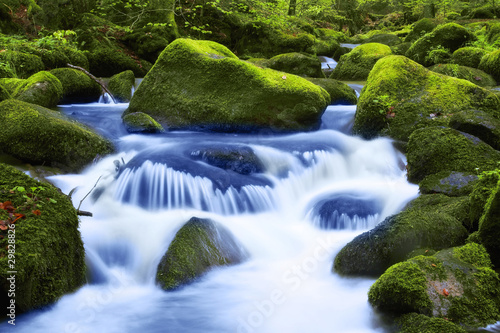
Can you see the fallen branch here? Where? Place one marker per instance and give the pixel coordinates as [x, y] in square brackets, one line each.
[95, 79]
[82, 212]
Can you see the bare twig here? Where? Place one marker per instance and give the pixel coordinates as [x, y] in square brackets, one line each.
[81, 212]
[93, 78]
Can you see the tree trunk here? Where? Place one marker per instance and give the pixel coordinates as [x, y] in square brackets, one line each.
[292, 7]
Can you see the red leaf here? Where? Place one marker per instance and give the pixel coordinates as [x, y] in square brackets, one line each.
[18, 216]
[36, 212]
[445, 292]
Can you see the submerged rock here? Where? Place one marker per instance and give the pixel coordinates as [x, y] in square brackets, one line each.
[429, 222]
[357, 64]
[401, 96]
[202, 85]
[49, 252]
[77, 86]
[200, 245]
[435, 149]
[38, 135]
[139, 122]
[457, 284]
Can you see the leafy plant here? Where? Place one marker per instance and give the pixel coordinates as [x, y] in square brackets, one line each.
[385, 106]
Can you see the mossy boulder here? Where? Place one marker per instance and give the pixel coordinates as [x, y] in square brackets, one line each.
[450, 36]
[106, 62]
[49, 253]
[340, 93]
[297, 63]
[401, 96]
[450, 183]
[490, 63]
[77, 87]
[418, 323]
[203, 85]
[481, 192]
[478, 123]
[357, 64]
[419, 29]
[386, 39]
[120, 85]
[439, 56]
[489, 226]
[22, 64]
[435, 149]
[457, 284]
[470, 74]
[38, 135]
[429, 222]
[200, 245]
[400, 49]
[42, 88]
[468, 56]
[138, 122]
[4, 93]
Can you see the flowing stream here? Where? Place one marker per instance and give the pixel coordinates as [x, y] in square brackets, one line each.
[292, 201]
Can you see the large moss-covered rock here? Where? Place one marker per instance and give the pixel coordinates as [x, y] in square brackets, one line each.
[77, 87]
[4, 93]
[450, 36]
[469, 56]
[138, 122]
[478, 123]
[418, 323]
[38, 135]
[481, 192]
[340, 93]
[419, 29]
[457, 284]
[202, 85]
[120, 85]
[198, 246]
[49, 253]
[489, 226]
[435, 149]
[450, 183]
[470, 74]
[429, 222]
[401, 96]
[357, 64]
[42, 88]
[386, 39]
[23, 64]
[490, 63]
[296, 63]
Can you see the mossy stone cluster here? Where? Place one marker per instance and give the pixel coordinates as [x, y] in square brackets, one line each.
[297, 63]
[38, 135]
[197, 247]
[120, 85]
[203, 85]
[435, 149]
[42, 88]
[457, 284]
[49, 250]
[340, 93]
[470, 74]
[357, 64]
[139, 122]
[468, 56]
[428, 222]
[77, 86]
[490, 63]
[450, 36]
[401, 96]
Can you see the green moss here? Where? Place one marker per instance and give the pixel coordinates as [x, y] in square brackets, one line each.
[22, 64]
[450, 36]
[490, 63]
[439, 56]
[419, 323]
[450, 183]
[139, 122]
[478, 123]
[415, 98]
[201, 84]
[383, 38]
[120, 85]
[435, 149]
[197, 247]
[76, 57]
[473, 254]
[489, 226]
[77, 87]
[11, 84]
[42, 88]
[468, 56]
[297, 63]
[49, 257]
[400, 49]
[419, 29]
[4, 93]
[107, 62]
[428, 222]
[473, 75]
[340, 93]
[37, 135]
[482, 191]
[401, 289]
[357, 64]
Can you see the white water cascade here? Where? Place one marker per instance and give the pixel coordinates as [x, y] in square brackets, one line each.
[292, 203]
